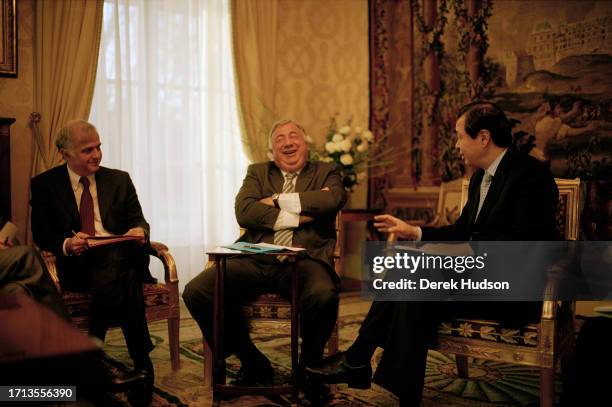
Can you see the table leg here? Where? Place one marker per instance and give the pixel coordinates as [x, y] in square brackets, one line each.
[295, 284]
[219, 362]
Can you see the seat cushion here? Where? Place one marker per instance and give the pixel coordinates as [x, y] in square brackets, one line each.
[490, 331]
[79, 304]
[268, 306]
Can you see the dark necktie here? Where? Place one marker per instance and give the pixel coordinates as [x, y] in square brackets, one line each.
[86, 209]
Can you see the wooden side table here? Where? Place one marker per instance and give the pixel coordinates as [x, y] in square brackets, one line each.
[220, 388]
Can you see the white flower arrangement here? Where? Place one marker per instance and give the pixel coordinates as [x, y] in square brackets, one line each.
[348, 147]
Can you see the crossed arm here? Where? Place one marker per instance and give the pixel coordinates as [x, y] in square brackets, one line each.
[254, 211]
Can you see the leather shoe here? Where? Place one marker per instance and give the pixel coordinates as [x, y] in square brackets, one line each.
[250, 375]
[116, 379]
[142, 394]
[335, 370]
[316, 393]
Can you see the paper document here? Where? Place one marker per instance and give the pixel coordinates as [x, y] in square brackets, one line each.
[261, 247]
[8, 233]
[292, 249]
[223, 250]
[96, 241]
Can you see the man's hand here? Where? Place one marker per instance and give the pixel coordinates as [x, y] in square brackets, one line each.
[77, 244]
[137, 232]
[5, 245]
[305, 219]
[267, 201]
[391, 224]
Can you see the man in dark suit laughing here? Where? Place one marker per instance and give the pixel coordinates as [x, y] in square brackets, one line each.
[291, 202]
[81, 196]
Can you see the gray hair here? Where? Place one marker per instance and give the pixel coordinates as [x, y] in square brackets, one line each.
[280, 123]
[63, 140]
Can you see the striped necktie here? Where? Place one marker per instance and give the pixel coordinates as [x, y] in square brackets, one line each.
[86, 209]
[484, 188]
[284, 237]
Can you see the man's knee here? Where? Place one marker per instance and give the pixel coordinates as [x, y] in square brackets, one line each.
[321, 296]
[25, 254]
[199, 289]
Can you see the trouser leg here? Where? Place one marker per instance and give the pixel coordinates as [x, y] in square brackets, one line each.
[116, 289]
[245, 279]
[22, 269]
[318, 306]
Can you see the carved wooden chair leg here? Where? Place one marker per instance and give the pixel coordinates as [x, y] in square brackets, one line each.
[462, 366]
[547, 387]
[173, 339]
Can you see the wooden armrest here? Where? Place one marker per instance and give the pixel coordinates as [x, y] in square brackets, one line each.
[50, 263]
[161, 251]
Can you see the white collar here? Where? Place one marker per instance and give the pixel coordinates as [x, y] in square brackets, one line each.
[75, 178]
[294, 172]
[493, 167]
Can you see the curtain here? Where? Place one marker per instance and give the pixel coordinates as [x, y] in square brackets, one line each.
[165, 108]
[254, 31]
[67, 41]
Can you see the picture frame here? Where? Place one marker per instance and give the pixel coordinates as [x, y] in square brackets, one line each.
[8, 38]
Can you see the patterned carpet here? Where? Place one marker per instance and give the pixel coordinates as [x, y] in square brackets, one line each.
[490, 384]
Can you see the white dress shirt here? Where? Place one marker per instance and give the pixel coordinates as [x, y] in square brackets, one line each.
[77, 189]
[491, 169]
[290, 207]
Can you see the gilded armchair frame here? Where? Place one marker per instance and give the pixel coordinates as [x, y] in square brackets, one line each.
[555, 330]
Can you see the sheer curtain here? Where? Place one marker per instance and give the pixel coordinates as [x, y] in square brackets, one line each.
[165, 107]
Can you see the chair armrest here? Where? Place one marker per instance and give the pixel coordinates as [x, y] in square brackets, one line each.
[161, 251]
[51, 265]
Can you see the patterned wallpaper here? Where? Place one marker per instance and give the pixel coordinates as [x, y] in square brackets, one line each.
[17, 100]
[322, 65]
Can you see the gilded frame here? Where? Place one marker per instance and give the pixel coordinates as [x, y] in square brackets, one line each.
[8, 38]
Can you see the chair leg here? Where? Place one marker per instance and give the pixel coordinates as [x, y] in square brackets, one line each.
[462, 366]
[332, 349]
[332, 343]
[547, 387]
[173, 339]
[208, 365]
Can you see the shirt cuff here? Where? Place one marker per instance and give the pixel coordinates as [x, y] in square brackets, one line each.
[290, 202]
[286, 220]
[64, 247]
[419, 235]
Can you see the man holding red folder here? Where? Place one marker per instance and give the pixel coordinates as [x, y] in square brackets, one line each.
[96, 201]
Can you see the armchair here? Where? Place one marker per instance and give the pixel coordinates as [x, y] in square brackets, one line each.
[540, 344]
[161, 300]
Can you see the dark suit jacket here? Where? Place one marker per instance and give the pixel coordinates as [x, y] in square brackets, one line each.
[319, 236]
[520, 205]
[55, 214]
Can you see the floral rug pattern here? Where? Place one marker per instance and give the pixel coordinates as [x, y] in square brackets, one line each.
[490, 384]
